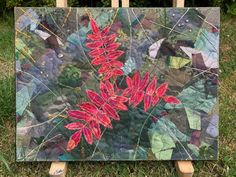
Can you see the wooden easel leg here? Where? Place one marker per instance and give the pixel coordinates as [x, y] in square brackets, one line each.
[184, 168]
[58, 169]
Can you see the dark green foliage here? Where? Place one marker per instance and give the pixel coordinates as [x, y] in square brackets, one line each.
[227, 6]
[70, 76]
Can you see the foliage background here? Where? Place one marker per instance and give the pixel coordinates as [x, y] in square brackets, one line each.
[227, 6]
[225, 166]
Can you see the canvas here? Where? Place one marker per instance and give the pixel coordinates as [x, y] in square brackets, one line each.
[109, 84]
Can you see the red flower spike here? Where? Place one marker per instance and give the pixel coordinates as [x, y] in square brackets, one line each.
[171, 99]
[74, 140]
[161, 90]
[95, 127]
[74, 126]
[104, 50]
[88, 135]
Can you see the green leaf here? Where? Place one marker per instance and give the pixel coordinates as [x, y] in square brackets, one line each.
[22, 100]
[194, 97]
[177, 62]
[194, 149]
[161, 145]
[194, 119]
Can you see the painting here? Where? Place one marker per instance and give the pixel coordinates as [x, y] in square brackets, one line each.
[116, 84]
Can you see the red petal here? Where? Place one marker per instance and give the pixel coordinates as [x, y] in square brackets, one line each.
[112, 46]
[118, 105]
[121, 99]
[94, 45]
[121, 106]
[126, 92]
[95, 127]
[147, 102]
[136, 79]
[151, 87]
[112, 55]
[110, 112]
[117, 72]
[109, 87]
[110, 39]
[103, 119]
[103, 91]
[74, 140]
[108, 75]
[94, 26]
[81, 115]
[105, 31]
[116, 63]
[98, 61]
[155, 100]
[138, 97]
[89, 107]
[161, 90]
[96, 53]
[88, 135]
[93, 37]
[104, 68]
[129, 82]
[171, 99]
[74, 126]
[95, 98]
[144, 81]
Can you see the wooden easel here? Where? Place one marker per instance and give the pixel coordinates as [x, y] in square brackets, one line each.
[184, 168]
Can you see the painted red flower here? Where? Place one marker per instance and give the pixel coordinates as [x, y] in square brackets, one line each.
[104, 51]
[139, 90]
[102, 107]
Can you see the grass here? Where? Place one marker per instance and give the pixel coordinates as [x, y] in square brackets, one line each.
[225, 166]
